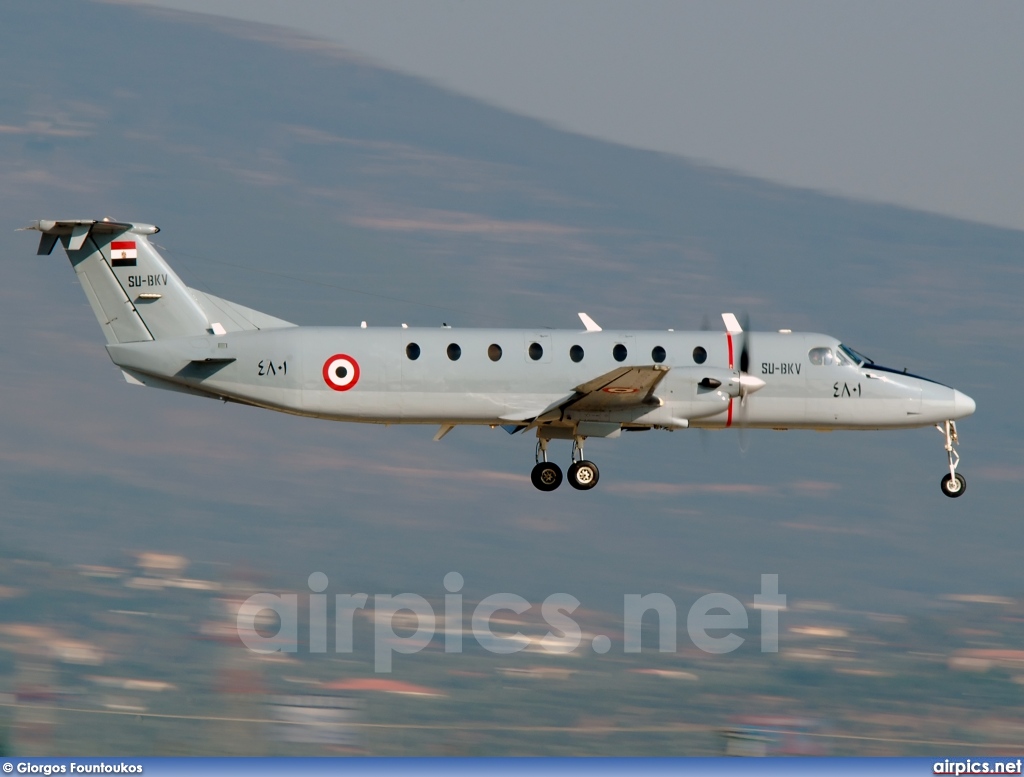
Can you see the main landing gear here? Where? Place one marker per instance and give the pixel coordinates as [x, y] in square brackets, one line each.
[547, 476]
[954, 484]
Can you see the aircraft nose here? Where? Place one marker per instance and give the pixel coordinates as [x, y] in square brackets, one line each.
[963, 405]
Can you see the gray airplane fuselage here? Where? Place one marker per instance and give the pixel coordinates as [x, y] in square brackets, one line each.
[283, 369]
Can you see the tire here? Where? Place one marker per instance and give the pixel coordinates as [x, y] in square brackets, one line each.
[546, 476]
[583, 475]
[954, 488]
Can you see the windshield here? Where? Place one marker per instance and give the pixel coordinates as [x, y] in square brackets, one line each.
[859, 359]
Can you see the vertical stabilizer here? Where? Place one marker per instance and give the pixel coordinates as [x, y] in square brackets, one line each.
[133, 292]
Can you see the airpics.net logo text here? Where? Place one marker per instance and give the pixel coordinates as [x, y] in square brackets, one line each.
[407, 623]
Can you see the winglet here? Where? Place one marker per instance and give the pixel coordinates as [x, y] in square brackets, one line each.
[589, 323]
[732, 324]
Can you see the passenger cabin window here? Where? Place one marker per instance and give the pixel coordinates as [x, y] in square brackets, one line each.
[576, 353]
[494, 352]
[821, 356]
[454, 352]
[619, 352]
[658, 354]
[412, 350]
[536, 351]
[699, 355]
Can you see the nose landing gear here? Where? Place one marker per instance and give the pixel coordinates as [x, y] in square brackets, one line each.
[954, 484]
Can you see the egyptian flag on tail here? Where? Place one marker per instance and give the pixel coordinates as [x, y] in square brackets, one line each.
[123, 253]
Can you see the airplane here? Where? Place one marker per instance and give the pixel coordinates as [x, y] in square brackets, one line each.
[559, 384]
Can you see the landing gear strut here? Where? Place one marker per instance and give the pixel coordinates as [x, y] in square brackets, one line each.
[953, 484]
[546, 475]
[583, 475]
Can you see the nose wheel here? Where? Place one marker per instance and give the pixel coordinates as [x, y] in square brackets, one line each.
[954, 484]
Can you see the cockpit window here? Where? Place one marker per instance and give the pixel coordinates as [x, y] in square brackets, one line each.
[821, 356]
[858, 358]
[843, 360]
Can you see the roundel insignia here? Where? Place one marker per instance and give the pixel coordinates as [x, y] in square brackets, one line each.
[341, 372]
[620, 390]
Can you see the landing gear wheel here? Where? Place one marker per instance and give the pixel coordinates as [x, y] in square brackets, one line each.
[546, 476]
[583, 475]
[954, 484]
[954, 487]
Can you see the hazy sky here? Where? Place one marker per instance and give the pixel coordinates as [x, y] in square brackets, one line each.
[916, 102]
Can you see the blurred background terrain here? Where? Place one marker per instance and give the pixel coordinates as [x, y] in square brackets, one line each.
[289, 175]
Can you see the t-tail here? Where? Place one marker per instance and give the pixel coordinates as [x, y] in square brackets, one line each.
[135, 295]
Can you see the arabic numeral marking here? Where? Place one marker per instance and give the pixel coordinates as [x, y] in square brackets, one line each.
[267, 369]
[846, 390]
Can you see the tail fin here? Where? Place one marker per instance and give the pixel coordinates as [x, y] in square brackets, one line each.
[135, 295]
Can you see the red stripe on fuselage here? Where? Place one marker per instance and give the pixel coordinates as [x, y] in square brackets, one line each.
[728, 337]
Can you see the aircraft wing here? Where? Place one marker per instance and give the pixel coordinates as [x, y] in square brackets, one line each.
[624, 387]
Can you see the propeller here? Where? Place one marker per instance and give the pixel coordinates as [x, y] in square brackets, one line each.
[742, 338]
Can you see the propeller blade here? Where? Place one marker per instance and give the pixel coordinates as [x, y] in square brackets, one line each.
[745, 346]
[705, 444]
[744, 439]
